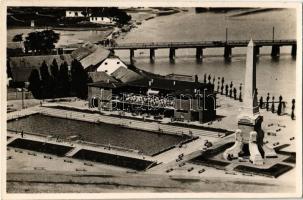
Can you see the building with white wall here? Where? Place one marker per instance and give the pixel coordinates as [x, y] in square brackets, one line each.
[74, 13]
[110, 64]
[102, 20]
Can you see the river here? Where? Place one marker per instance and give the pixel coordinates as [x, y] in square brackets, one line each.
[278, 77]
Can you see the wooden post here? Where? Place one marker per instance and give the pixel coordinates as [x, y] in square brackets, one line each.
[273, 33]
[294, 50]
[132, 55]
[275, 51]
[152, 55]
[172, 54]
[227, 52]
[199, 54]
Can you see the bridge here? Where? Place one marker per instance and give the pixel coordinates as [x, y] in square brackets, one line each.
[199, 46]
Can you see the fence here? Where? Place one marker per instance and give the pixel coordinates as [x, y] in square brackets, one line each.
[18, 95]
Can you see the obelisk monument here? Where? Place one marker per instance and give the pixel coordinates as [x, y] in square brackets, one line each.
[249, 121]
[250, 99]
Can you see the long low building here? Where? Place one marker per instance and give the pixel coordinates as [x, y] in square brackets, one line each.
[131, 89]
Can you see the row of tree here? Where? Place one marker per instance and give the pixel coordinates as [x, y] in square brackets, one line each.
[39, 42]
[58, 81]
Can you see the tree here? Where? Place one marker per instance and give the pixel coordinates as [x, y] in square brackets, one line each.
[47, 85]
[55, 76]
[85, 13]
[41, 42]
[18, 38]
[55, 69]
[79, 79]
[8, 69]
[35, 83]
[44, 71]
[63, 82]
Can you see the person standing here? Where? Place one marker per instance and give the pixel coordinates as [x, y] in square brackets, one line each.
[209, 78]
[267, 102]
[222, 86]
[273, 105]
[240, 95]
[293, 109]
[230, 92]
[218, 86]
[235, 93]
[226, 90]
[261, 102]
[279, 111]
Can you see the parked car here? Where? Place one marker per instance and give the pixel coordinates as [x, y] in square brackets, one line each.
[181, 164]
[190, 169]
[169, 170]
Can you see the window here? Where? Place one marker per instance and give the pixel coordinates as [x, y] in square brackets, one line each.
[70, 12]
[118, 63]
[105, 63]
[102, 18]
[96, 18]
[76, 13]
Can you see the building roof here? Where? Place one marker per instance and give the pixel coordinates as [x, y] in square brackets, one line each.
[101, 76]
[180, 77]
[100, 15]
[22, 66]
[15, 45]
[84, 51]
[102, 84]
[126, 75]
[75, 9]
[95, 57]
[176, 86]
[130, 78]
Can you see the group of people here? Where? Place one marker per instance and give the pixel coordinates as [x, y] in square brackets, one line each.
[231, 91]
[281, 105]
[149, 100]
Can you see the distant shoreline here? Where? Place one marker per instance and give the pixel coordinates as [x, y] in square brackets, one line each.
[64, 28]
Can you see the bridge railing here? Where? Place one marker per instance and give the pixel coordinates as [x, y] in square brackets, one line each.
[202, 43]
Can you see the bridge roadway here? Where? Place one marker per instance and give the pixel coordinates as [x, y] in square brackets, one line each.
[199, 46]
[203, 44]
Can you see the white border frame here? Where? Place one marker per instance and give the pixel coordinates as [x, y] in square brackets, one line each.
[144, 3]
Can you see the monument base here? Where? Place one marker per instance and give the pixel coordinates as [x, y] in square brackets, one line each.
[251, 133]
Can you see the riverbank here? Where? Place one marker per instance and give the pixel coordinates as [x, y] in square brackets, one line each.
[138, 18]
[43, 181]
[70, 35]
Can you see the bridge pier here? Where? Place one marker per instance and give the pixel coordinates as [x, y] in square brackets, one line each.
[199, 54]
[294, 50]
[152, 55]
[227, 52]
[132, 55]
[275, 51]
[172, 54]
[257, 50]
